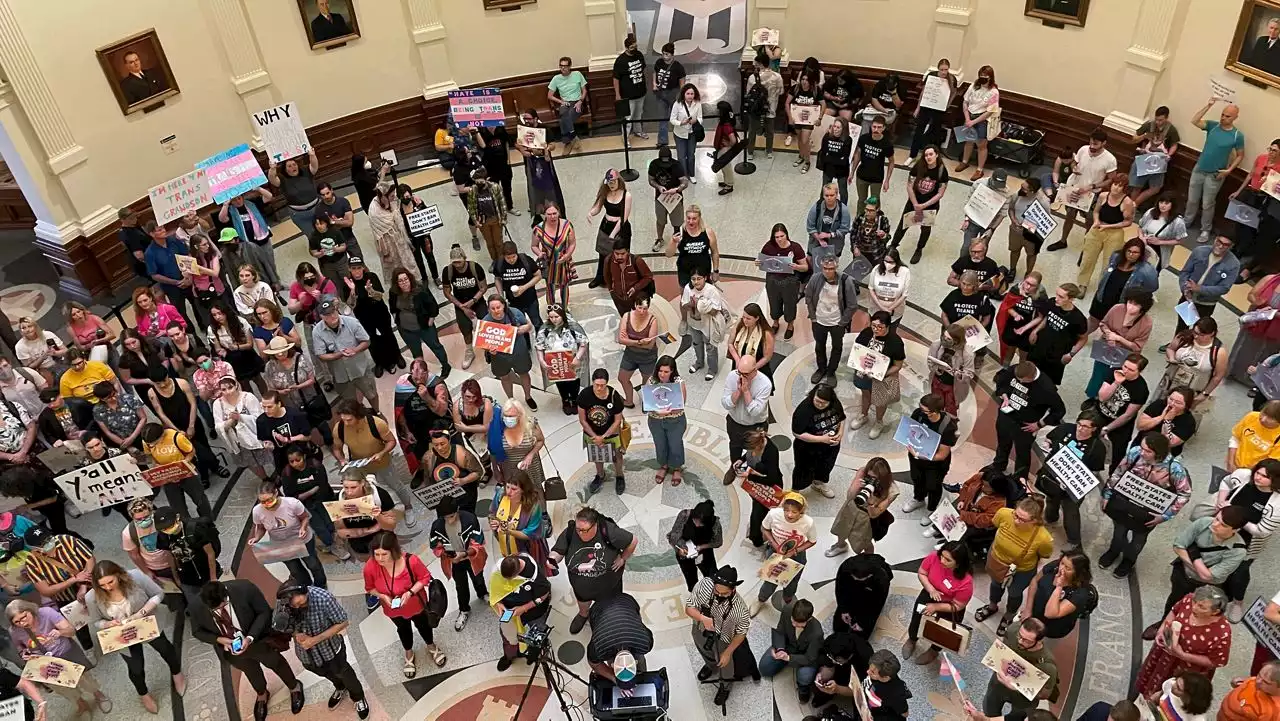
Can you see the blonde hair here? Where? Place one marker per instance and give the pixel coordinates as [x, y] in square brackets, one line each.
[252, 271]
[1073, 290]
[833, 188]
[696, 210]
[522, 417]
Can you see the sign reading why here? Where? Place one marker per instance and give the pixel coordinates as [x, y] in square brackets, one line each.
[1072, 473]
[495, 337]
[1014, 669]
[127, 634]
[53, 670]
[947, 519]
[232, 172]
[173, 199]
[475, 108]
[105, 483]
[282, 132]
[424, 221]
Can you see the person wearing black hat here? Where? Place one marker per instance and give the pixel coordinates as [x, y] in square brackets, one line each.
[59, 566]
[366, 296]
[317, 621]
[193, 547]
[234, 618]
[458, 540]
[862, 588]
[700, 528]
[721, 621]
[343, 344]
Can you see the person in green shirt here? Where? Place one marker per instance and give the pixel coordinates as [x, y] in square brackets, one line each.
[1223, 150]
[566, 93]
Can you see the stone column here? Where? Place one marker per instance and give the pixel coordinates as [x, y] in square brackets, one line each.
[433, 53]
[1145, 60]
[603, 36]
[766, 14]
[61, 150]
[248, 74]
[951, 20]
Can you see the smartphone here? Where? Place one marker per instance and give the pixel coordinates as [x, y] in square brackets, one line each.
[236, 644]
[395, 602]
[507, 615]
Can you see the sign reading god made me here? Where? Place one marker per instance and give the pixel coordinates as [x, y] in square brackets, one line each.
[984, 205]
[349, 507]
[1072, 473]
[1009, 666]
[947, 520]
[936, 94]
[127, 634]
[173, 199]
[476, 108]
[282, 132]
[232, 172]
[105, 483]
[53, 670]
[1145, 494]
[425, 220]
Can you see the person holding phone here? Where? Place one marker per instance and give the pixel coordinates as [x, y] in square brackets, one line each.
[400, 581]
[520, 594]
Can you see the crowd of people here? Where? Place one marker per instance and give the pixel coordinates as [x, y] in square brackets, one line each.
[281, 372]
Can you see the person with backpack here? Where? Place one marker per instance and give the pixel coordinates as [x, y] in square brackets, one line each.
[193, 545]
[725, 144]
[359, 435]
[457, 539]
[760, 105]
[408, 594]
[464, 287]
[1064, 594]
[283, 520]
[165, 446]
[488, 212]
[1198, 361]
[595, 552]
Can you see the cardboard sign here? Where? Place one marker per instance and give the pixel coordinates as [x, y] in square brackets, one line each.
[1083, 202]
[66, 457]
[1186, 310]
[776, 264]
[1072, 473]
[779, 570]
[805, 114]
[1243, 214]
[532, 138]
[129, 633]
[189, 266]
[661, 397]
[349, 507]
[1145, 494]
[1267, 380]
[761, 37]
[868, 362]
[975, 336]
[669, 201]
[173, 199]
[1151, 164]
[495, 337]
[1040, 220]
[232, 172]
[53, 670]
[985, 203]
[1222, 89]
[105, 483]
[917, 436]
[13, 709]
[476, 108]
[926, 220]
[1265, 632]
[76, 613]
[272, 550]
[168, 473]
[820, 129]
[424, 221]
[1025, 678]
[1271, 185]
[1104, 352]
[947, 520]
[936, 94]
[560, 365]
[282, 132]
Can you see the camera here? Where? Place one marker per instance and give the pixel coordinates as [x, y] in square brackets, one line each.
[863, 497]
[537, 637]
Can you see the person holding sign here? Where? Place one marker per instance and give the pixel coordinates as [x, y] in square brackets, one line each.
[516, 364]
[805, 92]
[1092, 165]
[668, 426]
[562, 338]
[1157, 135]
[946, 583]
[298, 184]
[882, 338]
[782, 281]
[951, 369]
[1082, 440]
[1024, 233]
[981, 102]
[516, 276]
[984, 198]
[695, 535]
[41, 631]
[928, 473]
[1123, 322]
[600, 414]
[929, 129]
[357, 527]
[118, 597]
[668, 179]
[1149, 464]
[286, 520]
[454, 463]
[1201, 642]
[1026, 641]
[1263, 237]
[967, 300]
[926, 187]
[421, 242]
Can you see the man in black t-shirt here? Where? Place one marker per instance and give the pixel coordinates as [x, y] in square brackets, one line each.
[977, 261]
[629, 84]
[595, 552]
[516, 275]
[340, 214]
[279, 425]
[668, 180]
[668, 78]
[191, 542]
[464, 286]
[872, 162]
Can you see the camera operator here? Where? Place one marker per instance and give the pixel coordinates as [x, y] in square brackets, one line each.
[722, 620]
[316, 621]
[618, 632]
[520, 587]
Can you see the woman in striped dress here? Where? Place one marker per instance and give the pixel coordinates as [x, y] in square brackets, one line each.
[553, 243]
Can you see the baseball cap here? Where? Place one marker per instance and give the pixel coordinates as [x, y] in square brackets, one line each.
[167, 518]
[624, 666]
[328, 306]
[228, 235]
[37, 536]
[355, 260]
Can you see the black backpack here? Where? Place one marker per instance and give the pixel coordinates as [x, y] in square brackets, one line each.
[756, 101]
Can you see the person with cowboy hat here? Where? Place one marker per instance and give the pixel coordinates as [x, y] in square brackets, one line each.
[722, 620]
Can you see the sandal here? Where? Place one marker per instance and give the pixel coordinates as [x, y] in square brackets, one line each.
[977, 175]
[961, 166]
[410, 668]
[677, 477]
[1004, 626]
[661, 476]
[437, 656]
[986, 612]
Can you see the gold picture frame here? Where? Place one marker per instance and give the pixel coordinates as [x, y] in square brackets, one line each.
[1254, 52]
[1065, 12]
[138, 71]
[507, 4]
[329, 23]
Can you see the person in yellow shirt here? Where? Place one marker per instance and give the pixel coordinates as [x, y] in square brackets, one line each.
[83, 375]
[1255, 438]
[1020, 544]
[165, 446]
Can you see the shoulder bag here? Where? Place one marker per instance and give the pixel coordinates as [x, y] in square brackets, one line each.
[316, 407]
[950, 635]
[1004, 572]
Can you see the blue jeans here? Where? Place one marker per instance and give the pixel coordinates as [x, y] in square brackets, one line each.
[788, 593]
[770, 667]
[426, 335]
[1017, 587]
[568, 116]
[320, 522]
[685, 149]
[308, 569]
[666, 98]
[668, 440]
[303, 219]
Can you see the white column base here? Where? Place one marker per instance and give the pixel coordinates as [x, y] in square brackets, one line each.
[601, 62]
[58, 234]
[1123, 122]
[438, 90]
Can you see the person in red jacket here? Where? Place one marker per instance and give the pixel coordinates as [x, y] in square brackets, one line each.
[400, 581]
[980, 497]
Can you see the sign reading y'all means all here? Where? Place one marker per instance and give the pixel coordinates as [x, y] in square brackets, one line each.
[105, 483]
[282, 132]
[232, 172]
[175, 198]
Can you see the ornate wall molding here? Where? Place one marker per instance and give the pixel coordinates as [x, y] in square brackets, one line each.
[1145, 60]
[429, 36]
[23, 73]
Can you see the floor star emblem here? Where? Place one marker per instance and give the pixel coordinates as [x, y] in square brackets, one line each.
[647, 513]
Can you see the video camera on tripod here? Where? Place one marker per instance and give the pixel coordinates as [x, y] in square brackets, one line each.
[537, 637]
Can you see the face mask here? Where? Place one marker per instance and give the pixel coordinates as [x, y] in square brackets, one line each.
[146, 522]
[206, 365]
[509, 421]
[271, 504]
[368, 165]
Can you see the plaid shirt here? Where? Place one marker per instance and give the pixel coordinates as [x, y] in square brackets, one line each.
[322, 613]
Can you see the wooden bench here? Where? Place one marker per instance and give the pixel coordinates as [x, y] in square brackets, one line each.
[534, 97]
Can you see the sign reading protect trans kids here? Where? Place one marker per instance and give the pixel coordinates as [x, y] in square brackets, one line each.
[475, 108]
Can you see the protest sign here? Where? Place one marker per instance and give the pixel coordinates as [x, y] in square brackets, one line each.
[53, 670]
[1267, 380]
[168, 473]
[1265, 632]
[105, 483]
[1082, 202]
[129, 633]
[232, 172]
[947, 520]
[272, 550]
[1243, 214]
[349, 507]
[440, 481]
[1106, 353]
[602, 453]
[425, 220]
[560, 366]
[1186, 310]
[1151, 164]
[188, 265]
[65, 457]
[1014, 669]
[670, 200]
[776, 264]
[975, 336]
[917, 436]
[985, 203]
[925, 219]
[779, 570]
[1040, 219]
[805, 114]
[76, 613]
[1145, 494]
[966, 134]
[936, 94]
[282, 133]
[13, 709]
[495, 337]
[476, 108]
[1072, 473]
[661, 397]
[761, 37]
[858, 269]
[1271, 185]
[532, 138]
[174, 198]
[389, 156]
[868, 362]
[1222, 89]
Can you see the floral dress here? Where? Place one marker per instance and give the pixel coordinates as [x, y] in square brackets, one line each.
[1212, 640]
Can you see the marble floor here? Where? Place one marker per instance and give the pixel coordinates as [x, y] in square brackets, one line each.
[1098, 660]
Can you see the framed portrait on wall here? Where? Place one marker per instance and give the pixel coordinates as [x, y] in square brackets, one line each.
[507, 4]
[1067, 12]
[1255, 49]
[329, 22]
[138, 71]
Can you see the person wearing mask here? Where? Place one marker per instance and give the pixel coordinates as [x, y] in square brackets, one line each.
[686, 126]
[1201, 643]
[612, 199]
[516, 276]
[832, 299]
[117, 597]
[283, 519]
[629, 85]
[1027, 641]
[316, 621]
[783, 289]
[863, 518]
[946, 587]
[423, 245]
[58, 566]
[234, 618]
[721, 621]
[458, 541]
[401, 582]
[1132, 522]
[521, 587]
[668, 178]
[1091, 168]
[695, 535]
[1208, 275]
[817, 428]
[760, 118]
[926, 187]
[879, 393]
[1112, 215]
[304, 478]
[835, 153]
[595, 552]
[872, 164]
[981, 102]
[696, 248]
[141, 541]
[1119, 402]
[1222, 153]
[1064, 594]
[1021, 541]
[1059, 334]
[796, 641]
[567, 95]
[828, 223]
[1083, 440]
[1122, 324]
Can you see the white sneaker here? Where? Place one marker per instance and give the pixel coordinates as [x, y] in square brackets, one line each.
[756, 606]
[461, 622]
[1235, 611]
[925, 522]
[857, 423]
[341, 552]
[788, 141]
[834, 551]
[1204, 237]
[468, 357]
[824, 490]
[693, 181]
[911, 504]
[709, 376]
[931, 533]
[876, 429]
[695, 368]
[410, 517]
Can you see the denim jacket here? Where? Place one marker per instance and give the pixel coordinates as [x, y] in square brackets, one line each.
[1219, 280]
[1144, 276]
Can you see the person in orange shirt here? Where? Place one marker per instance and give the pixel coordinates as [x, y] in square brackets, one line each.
[1254, 699]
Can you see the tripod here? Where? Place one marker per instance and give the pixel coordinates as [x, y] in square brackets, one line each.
[545, 661]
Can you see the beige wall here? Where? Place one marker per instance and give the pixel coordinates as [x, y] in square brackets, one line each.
[487, 46]
[873, 33]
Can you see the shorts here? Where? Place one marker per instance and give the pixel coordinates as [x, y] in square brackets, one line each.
[364, 384]
[504, 364]
[981, 129]
[636, 359]
[1155, 181]
[861, 382]
[465, 324]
